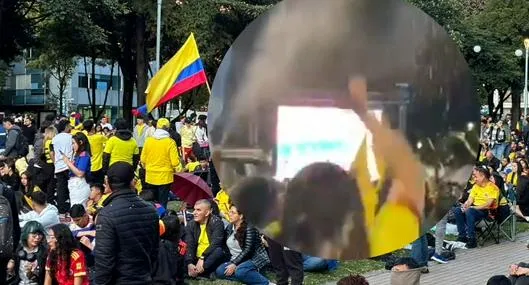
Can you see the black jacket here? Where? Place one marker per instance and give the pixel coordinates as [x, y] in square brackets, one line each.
[216, 237]
[252, 249]
[123, 135]
[169, 268]
[42, 254]
[127, 240]
[9, 194]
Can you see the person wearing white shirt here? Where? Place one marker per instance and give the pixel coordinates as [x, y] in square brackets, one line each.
[46, 214]
[62, 146]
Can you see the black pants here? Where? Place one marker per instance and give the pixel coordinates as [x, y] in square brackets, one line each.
[45, 180]
[3, 272]
[96, 177]
[161, 192]
[63, 194]
[286, 263]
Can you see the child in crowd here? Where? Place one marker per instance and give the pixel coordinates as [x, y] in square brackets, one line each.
[169, 268]
[98, 195]
[148, 196]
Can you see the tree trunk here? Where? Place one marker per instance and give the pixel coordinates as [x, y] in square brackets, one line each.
[87, 82]
[100, 113]
[515, 111]
[141, 59]
[127, 61]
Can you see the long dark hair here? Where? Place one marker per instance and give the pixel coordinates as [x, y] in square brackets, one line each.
[66, 244]
[323, 203]
[82, 141]
[240, 233]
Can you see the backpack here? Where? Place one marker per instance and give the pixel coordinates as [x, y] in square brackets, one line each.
[6, 225]
[22, 145]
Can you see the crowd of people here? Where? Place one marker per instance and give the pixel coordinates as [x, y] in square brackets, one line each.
[89, 201]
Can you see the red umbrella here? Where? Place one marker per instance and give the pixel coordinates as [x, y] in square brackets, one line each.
[190, 188]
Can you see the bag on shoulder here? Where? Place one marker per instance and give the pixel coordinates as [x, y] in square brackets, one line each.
[6, 225]
[22, 145]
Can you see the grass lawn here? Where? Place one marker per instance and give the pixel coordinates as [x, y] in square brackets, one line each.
[345, 268]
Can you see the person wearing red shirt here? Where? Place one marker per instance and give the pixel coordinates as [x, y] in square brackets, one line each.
[66, 263]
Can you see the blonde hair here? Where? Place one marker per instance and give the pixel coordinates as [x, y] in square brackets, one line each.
[50, 133]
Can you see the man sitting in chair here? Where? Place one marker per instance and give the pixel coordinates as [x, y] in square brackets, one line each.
[483, 196]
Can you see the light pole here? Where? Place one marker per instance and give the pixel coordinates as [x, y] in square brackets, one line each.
[519, 53]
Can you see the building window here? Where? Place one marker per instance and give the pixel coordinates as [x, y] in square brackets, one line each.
[101, 82]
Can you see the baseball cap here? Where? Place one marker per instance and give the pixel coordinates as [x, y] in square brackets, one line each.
[163, 123]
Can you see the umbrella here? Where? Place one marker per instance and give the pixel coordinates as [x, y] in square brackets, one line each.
[190, 188]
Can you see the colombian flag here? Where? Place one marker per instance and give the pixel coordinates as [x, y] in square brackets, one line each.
[183, 72]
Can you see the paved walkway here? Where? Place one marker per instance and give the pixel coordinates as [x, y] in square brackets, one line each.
[471, 266]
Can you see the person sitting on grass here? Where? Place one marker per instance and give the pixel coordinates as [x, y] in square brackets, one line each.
[205, 239]
[98, 194]
[169, 268]
[44, 213]
[248, 255]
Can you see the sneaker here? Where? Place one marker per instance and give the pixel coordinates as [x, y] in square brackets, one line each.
[439, 259]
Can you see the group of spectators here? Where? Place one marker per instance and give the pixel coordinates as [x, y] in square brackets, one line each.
[89, 203]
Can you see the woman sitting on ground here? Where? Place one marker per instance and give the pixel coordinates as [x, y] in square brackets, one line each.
[248, 255]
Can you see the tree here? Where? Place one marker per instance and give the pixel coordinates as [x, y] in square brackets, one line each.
[499, 29]
[58, 66]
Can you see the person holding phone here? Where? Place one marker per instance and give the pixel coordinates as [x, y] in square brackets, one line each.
[79, 169]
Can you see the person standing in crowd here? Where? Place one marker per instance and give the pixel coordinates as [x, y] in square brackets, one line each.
[161, 160]
[62, 148]
[45, 176]
[140, 132]
[121, 147]
[205, 239]
[29, 131]
[66, 263]
[105, 123]
[11, 146]
[202, 139]
[97, 145]
[3, 136]
[30, 259]
[79, 170]
[248, 255]
[187, 133]
[12, 228]
[127, 232]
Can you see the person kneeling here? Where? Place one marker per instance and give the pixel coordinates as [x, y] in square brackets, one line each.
[205, 240]
[248, 255]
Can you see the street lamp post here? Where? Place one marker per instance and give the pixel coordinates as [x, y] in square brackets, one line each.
[519, 53]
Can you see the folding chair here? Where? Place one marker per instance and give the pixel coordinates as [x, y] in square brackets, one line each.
[490, 228]
[510, 220]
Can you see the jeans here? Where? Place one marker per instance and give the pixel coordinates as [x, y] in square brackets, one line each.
[466, 222]
[499, 149]
[419, 251]
[314, 264]
[246, 273]
[63, 193]
[440, 232]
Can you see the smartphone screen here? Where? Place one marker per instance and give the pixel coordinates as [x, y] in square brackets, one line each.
[308, 134]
